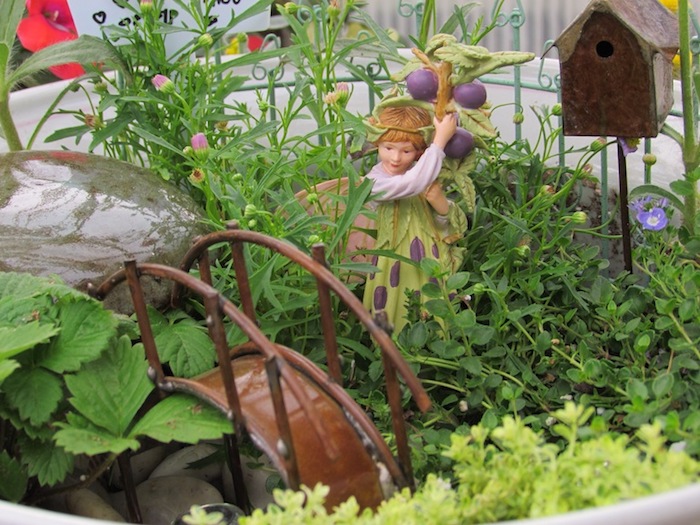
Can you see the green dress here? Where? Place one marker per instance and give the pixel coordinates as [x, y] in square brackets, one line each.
[409, 227]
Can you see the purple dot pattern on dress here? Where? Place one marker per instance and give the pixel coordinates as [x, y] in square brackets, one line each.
[375, 260]
[417, 250]
[436, 252]
[380, 297]
[394, 274]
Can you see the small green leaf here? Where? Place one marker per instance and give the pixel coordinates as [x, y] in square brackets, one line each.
[182, 418]
[641, 343]
[472, 365]
[438, 308]
[543, 341]
[663, 323]
[34, 392]
[688, 309]
[417, 335]
[13, 478]
[187, 348]
[86, 329]
[576, 375]
[48, 462]
[665, 306]
[592, 368]
[465, 320]
[458, 280]
[482, 334]
[637, 389]
[662, 385]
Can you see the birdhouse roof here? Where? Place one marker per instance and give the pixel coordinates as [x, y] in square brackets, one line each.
[655, 25]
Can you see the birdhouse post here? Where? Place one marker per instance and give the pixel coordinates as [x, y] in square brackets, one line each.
[616, 73]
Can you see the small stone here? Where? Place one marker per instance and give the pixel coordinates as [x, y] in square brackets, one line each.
[162, 500]
[84, 502]
[142, 465]
[256, 473]
[178, 463]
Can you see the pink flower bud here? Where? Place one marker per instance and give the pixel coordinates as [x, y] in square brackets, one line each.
[200, 146]
[163, 84]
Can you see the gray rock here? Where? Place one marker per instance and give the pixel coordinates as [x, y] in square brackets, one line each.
[178, 463]
[162, 500]
[256, 473]
[142, 465]
[80, 216]
[86, 503]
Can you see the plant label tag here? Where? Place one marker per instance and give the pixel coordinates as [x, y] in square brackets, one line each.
[100, 17]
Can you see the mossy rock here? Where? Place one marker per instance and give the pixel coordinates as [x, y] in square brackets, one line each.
[80, 216]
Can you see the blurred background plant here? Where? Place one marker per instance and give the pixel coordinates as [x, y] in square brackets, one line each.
[38, 30]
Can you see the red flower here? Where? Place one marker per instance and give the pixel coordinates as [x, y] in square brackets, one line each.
[49, 22]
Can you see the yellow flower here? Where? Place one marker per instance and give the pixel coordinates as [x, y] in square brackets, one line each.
[233, 47]
[671, 5]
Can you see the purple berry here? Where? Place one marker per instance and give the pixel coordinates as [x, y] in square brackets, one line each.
[422, 84]
[471, 95]
[460, 145]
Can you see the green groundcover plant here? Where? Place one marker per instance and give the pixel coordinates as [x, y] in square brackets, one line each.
[511, 472]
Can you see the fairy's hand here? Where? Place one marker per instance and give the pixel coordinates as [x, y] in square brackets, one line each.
[436, 198]
[444, 129]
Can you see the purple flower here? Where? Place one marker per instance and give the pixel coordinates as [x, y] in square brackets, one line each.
[163, 84]
[654, 219]
[628, 145]
[200, 146]
[641, 204]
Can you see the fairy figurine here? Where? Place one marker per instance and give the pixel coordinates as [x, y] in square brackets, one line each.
[412, 210]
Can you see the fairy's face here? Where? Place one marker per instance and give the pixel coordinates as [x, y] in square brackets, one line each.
[397, 157]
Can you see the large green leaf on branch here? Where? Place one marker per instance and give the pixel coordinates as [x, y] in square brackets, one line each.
[34, 392]
[183, 418]
[186, 347]
[86, 330]
[20, 338]
[78, 436]
[110, 391]
[471, 62]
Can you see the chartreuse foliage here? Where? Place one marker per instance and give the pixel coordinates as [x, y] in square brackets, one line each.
[510, 472]
[67, 364]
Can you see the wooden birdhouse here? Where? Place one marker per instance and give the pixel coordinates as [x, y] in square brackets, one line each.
[617, 70]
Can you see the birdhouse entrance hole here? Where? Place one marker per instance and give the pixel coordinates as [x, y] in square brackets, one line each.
[604, 49]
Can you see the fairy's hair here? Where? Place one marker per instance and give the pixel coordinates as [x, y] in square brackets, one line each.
[403, 124]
